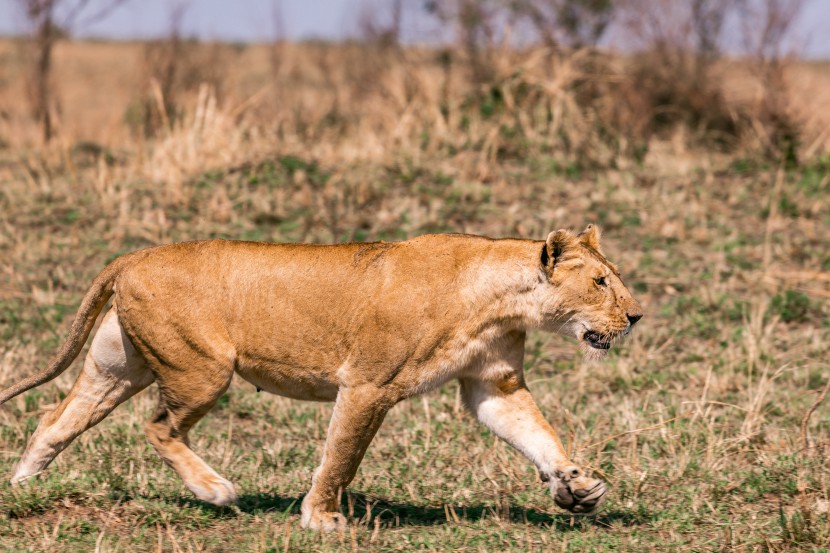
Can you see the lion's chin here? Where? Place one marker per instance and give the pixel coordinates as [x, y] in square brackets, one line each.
[595, 345]
[594, 354]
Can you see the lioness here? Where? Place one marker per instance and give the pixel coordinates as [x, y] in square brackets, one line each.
[363, 325]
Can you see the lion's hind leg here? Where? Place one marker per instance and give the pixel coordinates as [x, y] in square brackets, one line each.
[113, 372]
[178, 411]
[358, 413]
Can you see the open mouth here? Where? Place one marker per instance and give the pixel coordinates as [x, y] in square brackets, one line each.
[596, 340]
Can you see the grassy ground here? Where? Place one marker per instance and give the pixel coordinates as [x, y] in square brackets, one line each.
[694, 420]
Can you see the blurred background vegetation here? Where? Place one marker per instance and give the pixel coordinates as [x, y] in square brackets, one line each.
[505, 78]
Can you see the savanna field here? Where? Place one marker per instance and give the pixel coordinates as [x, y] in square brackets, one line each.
[706, 422]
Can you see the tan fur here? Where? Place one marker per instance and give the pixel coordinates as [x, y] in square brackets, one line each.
[364, 325]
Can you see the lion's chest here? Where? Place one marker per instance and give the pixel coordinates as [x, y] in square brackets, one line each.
[460, 355]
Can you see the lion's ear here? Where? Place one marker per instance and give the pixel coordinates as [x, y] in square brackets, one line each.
[590, 237]
[558, 241]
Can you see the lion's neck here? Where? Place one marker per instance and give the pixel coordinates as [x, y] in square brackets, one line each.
[508, 290]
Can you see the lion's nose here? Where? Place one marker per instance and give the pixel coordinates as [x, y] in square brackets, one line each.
[633, 317]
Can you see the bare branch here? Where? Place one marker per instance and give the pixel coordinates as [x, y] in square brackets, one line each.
[805, 440]
[279, 21]
[766, 25]
[95, 16]
[73, 12]
[46, 30]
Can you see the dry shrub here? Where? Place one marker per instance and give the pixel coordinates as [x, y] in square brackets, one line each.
[673, 84]
[205, 138]
[173, 70]
[585, 108]
[679, 79]
[673, 90]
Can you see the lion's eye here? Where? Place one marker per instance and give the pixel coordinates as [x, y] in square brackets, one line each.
[600, 281]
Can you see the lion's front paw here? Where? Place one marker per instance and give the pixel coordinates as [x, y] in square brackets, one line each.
[573, 490]
[315, 518]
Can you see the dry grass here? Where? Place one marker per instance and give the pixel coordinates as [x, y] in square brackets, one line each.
[355, 102]
[695, 420]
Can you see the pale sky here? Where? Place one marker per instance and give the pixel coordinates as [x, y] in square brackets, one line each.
[255, 21]
[229, 20]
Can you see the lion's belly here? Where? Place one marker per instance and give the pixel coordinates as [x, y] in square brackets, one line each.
[289, 382]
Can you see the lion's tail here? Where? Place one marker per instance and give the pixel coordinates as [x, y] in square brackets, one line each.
[91, 306]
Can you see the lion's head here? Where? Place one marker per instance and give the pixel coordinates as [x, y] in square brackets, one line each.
[589, 300]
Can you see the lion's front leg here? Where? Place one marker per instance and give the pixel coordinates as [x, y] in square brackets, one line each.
[501, 401]
[358, 413]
